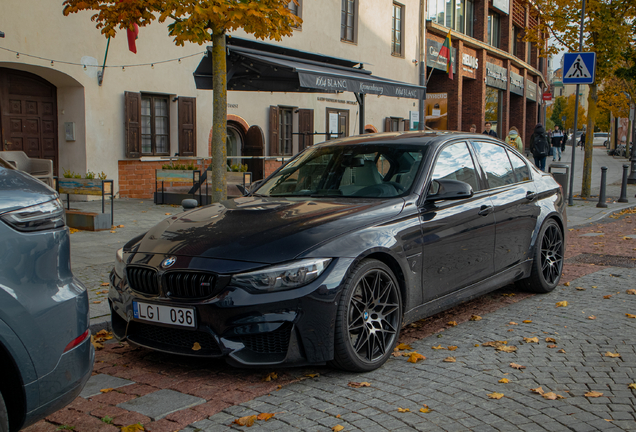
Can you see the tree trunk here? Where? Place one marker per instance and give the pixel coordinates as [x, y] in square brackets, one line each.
[219, 119]
[586, 184]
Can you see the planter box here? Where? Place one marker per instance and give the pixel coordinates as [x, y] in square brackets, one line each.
[179, 176]
[83, 186]
[240, 178]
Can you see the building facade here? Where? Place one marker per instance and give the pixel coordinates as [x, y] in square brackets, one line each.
[69, 94]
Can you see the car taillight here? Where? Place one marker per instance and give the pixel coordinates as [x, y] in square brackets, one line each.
[78, 340]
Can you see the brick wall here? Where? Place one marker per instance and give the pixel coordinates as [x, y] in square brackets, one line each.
[137, 178]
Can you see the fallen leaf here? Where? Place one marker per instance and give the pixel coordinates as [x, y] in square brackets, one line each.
[397, 354]
[552, 346]
[414, 357]
[168, 214]
[312, 375]
[627, 238]
[120, 226]
[591, 317]
[580, 289]
[338, 416]
[527, 321]
[452, 348]
[196, 346]
[561, 351]
[512, 323]
[504, 381]
[245, 421]
[594, 286]
[438, 347]
[104, 284]
[133, 428]
[550, 339]
[270, 376]
[552, 396]
[508, 294]
[511, 330]
[517, 366]
[632, 386]
[630, 315]
[264, 416]
[566, 284]
[426, 409]
[495, 395]
[73, 230]
[338, 428]
[97, 301]
[476, 345]
[495, 344]
[403, 410]
[531, 340]
[106, 390]
[359, 384]
[631, 291]
[562, 304]
[450, 359]
[452, 323]
[507, 349]
[113, 231]
[611, 354]
[403, 347]
[607, 296]
[475, 318]
[593, 394]
[538, 390]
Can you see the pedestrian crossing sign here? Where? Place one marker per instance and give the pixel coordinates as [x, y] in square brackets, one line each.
[579, 68]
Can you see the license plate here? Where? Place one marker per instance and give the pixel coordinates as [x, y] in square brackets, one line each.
[164, 314]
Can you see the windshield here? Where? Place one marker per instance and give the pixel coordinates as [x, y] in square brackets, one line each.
[375, 171]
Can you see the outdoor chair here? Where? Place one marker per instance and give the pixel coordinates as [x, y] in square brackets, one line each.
[41, 169]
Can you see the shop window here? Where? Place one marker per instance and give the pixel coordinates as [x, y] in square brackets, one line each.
[397, 30]
[348, 20]
[396, 124]
[147, 123]
[455, 14]
[494, 29]
[493, 108]
[285, 125]
[337, 123]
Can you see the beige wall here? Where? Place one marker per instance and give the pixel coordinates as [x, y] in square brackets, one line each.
[38, 28]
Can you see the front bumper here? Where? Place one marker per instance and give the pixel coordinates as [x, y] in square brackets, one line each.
[249, 329]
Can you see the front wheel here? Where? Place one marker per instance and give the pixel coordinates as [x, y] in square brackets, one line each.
[368, 319]
[548, 259]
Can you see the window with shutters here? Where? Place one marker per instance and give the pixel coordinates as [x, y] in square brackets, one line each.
[155, 125]
[348, 18]
[286, 129]
[396, 124]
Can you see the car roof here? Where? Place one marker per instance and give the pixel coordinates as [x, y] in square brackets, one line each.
[422, 138]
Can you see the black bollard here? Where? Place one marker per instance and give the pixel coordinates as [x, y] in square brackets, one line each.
[623, 197]
[601, 196]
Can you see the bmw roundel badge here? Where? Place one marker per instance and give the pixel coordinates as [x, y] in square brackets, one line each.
[168, 262]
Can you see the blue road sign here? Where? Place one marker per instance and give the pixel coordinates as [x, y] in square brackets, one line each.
[579, 68]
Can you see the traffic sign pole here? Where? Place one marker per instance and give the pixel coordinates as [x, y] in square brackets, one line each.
[576, 115]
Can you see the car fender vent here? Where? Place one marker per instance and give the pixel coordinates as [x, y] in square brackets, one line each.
[142, 280]
[275, 342]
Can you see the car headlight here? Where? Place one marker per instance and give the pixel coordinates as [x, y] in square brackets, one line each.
[120, 265]
[45, 216]
[282, 277]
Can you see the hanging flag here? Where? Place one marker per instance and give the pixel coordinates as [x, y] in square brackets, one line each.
[445, 51]
[132, 37]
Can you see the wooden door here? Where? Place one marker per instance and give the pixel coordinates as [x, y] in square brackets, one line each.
[28, 115]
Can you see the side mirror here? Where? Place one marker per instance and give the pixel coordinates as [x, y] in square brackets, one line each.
[251, 188]
[444, 189]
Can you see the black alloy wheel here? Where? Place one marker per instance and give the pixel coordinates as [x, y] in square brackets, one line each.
[548, 259]
[369, 318]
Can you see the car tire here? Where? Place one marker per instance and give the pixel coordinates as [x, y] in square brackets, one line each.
[548, 259]
[368, 319]
[4, 416]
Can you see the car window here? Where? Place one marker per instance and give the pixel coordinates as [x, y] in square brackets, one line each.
[522, 172]
[495, 162]
[455, 163]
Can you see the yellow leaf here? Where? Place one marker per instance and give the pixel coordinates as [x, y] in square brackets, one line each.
[630, 315]
[270, 376]
[106, 390]
[438, 347]
[562, 351]
[133, 428]
[504, 381]
[397, 354]
[337, 428]
[631, 291]
[495, 395]
[97, 301]
[120, 226]
[476, 345]
[264, 416]
[552, 346]
[632, 386]
[516, 366]
[611, 354]
[507, 349]
[562, 304]
[607, 296]
[73, 230]
[312, 375]
[550, 396]
[245, 421]
[403, 347]
[104, 284]
[452, 323]
[627, 238]
[531, 340]
[450, 359]
[580, 289]
[113, 231]
[359, 384]
[414, 357]
[452, 348]
[591, 317]
[403, 410]
[550, 339]
[538, 390]
[168, 214]
[475, 318]
[508, 294]
[593, 394]
[527, 321]
[566, 284]
[512, 323]
[425, 410]
[196, 346]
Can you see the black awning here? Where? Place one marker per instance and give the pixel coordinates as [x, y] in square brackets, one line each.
[256, 66]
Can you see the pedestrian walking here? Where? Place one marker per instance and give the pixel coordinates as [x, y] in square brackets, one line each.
[582, 140]
[557, 140]
[514, 140]
[565, 140]
[539, 146]
[489, 130]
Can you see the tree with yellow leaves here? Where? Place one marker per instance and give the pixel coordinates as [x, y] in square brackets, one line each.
[198, 21]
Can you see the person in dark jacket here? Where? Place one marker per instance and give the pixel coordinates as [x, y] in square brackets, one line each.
[539, 146]
[557, 141]
[489, 131]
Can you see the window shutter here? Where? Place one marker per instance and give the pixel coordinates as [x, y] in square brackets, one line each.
[407, 125]
[305, 125]
[274, 133]
[132, 114]
[387, 124]
[187, 126]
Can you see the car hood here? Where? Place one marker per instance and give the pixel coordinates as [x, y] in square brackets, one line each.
[264, 230]
[19, 190]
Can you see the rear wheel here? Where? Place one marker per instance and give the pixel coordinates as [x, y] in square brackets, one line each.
[4, 416]
[548, 259]
[369, 318]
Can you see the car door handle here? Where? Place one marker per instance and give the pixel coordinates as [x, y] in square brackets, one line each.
[485, 209]
[530, 195]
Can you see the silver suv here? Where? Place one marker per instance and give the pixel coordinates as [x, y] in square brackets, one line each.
[46, 355]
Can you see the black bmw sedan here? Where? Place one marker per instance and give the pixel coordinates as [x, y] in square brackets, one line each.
[332, 254]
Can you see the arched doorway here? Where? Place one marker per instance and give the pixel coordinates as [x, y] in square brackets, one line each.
[28, 115]
[234, 142]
